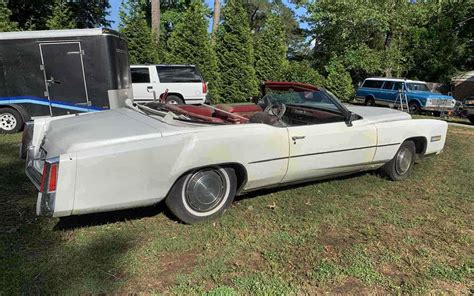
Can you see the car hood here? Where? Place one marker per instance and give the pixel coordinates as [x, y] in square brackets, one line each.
[378, 114]
[98, 129]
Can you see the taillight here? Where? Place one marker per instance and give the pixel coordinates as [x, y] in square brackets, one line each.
[204, 87]
[50, 175]
[53, 176]
[43, 177]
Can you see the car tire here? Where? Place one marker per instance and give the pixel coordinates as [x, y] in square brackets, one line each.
[400, 167]
[471, 118]
[414, 107]
[10, 121]
[369, 101]
[202, 194]
[174, 100]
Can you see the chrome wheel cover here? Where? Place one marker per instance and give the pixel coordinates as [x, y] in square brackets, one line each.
[7, 122]
[172, 102]
[205, 190]
[403, 161]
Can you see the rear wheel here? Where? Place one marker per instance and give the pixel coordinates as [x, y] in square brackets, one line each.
[369, 101]
[202, 194]
[399, 168]
[10, 121]
[174, 100]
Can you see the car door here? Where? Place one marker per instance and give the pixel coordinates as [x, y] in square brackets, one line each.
[387, 94]
[330, 145]
[142, 84]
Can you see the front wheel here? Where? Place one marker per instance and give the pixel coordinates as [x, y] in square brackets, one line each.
[471, 118]
[400, 167]
[414, 108]
[202, 194]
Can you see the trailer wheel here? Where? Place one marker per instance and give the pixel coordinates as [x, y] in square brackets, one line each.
[10, 121]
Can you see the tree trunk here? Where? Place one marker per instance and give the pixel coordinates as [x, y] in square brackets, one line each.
[215, 20]
[155, 19]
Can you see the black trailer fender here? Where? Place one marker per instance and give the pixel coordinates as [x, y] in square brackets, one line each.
[24, 114]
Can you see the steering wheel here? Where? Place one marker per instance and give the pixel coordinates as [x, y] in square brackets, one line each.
[276, 109]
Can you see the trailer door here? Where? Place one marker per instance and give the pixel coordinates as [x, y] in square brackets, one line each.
[65, 82]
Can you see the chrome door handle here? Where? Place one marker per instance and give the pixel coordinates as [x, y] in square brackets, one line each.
[294, 138]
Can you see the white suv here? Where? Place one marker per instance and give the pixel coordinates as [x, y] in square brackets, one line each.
[184, 83]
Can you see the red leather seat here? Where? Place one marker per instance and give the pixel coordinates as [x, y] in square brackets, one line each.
[200, 110]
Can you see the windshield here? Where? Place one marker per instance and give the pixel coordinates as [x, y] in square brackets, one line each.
[417, 86]
[321, 99]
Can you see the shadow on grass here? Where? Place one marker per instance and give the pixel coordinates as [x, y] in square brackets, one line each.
[75, 222]
[34, 259]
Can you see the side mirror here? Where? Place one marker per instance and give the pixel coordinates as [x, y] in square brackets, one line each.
[350, 118]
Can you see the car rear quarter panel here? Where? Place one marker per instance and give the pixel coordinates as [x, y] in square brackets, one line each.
[399, 131]
[141, 173]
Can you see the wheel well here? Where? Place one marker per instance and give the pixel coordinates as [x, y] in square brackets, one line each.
[240, 173]
[414, 101]
[420, 144]
[370, 97]
[174, 94]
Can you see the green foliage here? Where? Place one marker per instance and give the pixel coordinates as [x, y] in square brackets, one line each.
[6, 24]
[34, 15]
[133, 25]
[270, 50]
[235, 54]
[189, 43]
[61, 17]
[339, 81]
[302, 72]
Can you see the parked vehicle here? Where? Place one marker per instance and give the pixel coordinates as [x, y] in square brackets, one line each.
[197, 158]
[468, 108]
[57, 72]
[184, 83]
[386, 91]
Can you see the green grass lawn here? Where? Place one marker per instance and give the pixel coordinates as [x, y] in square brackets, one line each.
[360, 234]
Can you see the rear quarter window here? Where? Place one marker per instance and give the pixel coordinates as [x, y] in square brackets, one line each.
[373, 83]
[140, 75]
[178, 74]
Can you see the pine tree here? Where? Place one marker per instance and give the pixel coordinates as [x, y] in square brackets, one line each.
[235, 54]
[270, 50]
[6, 24]
[189, 43]
[142, 47]
[61, 17]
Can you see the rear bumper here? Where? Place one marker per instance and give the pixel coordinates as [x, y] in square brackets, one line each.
[436, 108]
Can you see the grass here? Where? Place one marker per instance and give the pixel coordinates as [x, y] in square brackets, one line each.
[361, 234]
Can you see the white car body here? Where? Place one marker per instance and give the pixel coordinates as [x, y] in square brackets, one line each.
[193, 92]
[124, 158]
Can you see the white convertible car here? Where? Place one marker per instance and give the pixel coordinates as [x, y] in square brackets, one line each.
[197, 158]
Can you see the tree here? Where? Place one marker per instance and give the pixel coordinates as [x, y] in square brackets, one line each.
[133, 25]
[296, 71]
[6, 25]
[34, 14]
[189, 43]
[235, 54]
[270, 50]
[216, 17]
[155, 19]
[339, 81]
[61, 17]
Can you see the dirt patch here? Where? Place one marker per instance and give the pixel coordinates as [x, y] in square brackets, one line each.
[162, 275]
